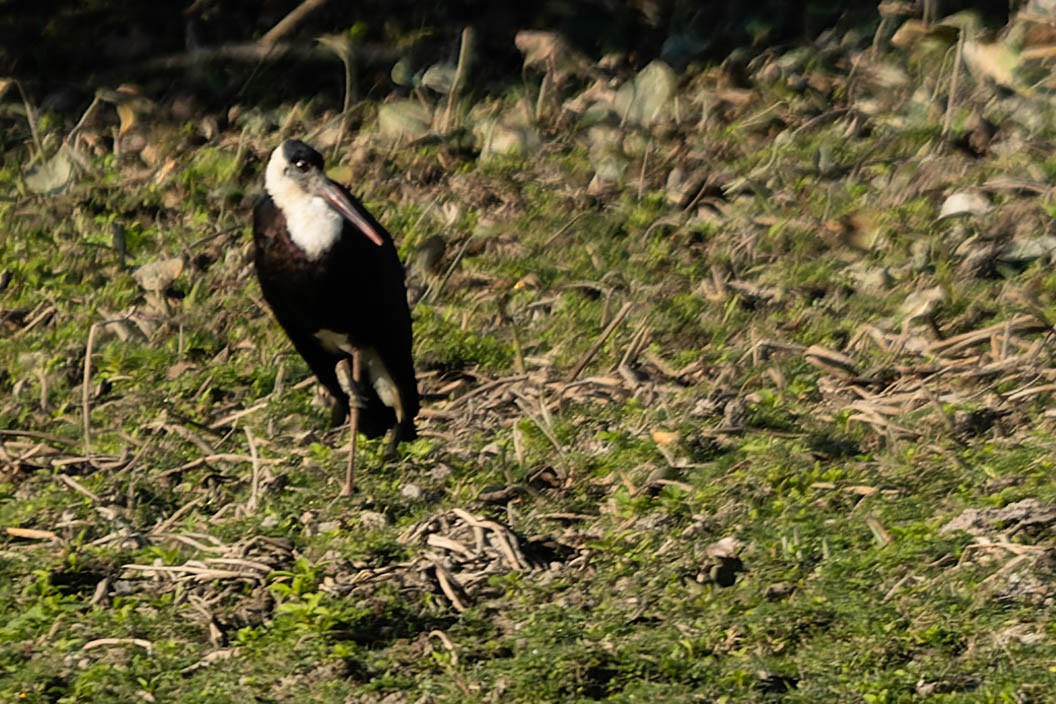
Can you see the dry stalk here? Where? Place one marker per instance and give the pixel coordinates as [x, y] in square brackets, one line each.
[176, 515]
[191, 542]
[450, 586]
[488, 387]
[188, 435]
[209, 459]
[290, 22]
[231, 418]
[637, 343]
[442, 541]
[38, 435]
[210, 658]
[951, 100]
[39, 315]
[434, 291]
[31, 118]
[540, 423]
[86, 392]
[508, 544]
[78, 487]
[596, 347]
[937, 405]
[645, 165]
[465, 58]
[32, 534]
[199, 572]
[254, 491]
[442, 637]
[239, 562]
[102, 642]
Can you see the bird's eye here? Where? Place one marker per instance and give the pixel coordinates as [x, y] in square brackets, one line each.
[301, 165]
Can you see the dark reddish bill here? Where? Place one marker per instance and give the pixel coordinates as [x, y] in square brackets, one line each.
[340, 202]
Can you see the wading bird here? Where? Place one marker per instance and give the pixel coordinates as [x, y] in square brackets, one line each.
[333, 279]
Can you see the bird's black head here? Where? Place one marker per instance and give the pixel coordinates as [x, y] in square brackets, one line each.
[298, 185]
[301, 156]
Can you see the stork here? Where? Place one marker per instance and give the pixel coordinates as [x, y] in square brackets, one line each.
[332, 277]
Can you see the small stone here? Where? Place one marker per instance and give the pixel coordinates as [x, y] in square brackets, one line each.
[404, 119]
[778, 592]
[373, 519]
[411, 491]
[440, 472]
[156, 277]
[328, 527]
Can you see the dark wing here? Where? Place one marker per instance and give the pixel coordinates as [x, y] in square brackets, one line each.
[359, 292]
[389, 327]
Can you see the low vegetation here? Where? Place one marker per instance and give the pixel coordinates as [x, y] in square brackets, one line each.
[737, 385]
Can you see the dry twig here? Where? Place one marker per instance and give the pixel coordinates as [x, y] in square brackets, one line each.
[596, 347]
[288, 23]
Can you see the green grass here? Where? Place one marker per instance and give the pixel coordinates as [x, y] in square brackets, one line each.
[617, 488]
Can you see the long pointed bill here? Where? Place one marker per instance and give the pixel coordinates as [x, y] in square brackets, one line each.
[337, 199]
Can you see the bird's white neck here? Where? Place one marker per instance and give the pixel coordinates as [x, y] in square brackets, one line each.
[313, 225]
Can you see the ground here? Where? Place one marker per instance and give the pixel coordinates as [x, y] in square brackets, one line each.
[737, 386]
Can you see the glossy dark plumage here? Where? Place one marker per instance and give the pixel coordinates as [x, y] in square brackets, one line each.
[354, 288]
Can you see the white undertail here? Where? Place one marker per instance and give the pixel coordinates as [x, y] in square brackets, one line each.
[375, 368]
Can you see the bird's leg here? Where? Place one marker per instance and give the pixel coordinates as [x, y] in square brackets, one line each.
[391, 453]
[349, 381]
[395, 438]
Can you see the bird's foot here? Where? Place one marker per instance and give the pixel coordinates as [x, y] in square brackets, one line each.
[349, 384]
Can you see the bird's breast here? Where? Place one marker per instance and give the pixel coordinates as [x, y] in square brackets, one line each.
[314, 227]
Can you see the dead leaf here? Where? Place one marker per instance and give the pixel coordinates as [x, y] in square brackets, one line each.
[52, 176]
[179, 369]
[996, 61]
[127, 116]
[529, 281]
[880, 533]
[156, 277]
[921, 304]
[549, 52]
[729, 546]
[913, 31]
[440, 77]
[664, 437]
[964, 203]
[129, 103]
